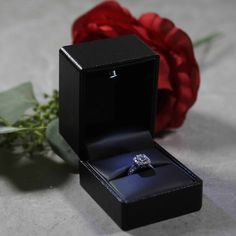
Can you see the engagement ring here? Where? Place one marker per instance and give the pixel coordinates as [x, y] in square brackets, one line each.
[140, 161]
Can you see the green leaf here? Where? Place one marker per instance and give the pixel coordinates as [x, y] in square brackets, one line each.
[7, 129]
[207, 39]
[60, 146]
[14, 102]
[11, 129]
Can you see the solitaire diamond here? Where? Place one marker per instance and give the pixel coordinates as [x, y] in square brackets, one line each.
[142, 160]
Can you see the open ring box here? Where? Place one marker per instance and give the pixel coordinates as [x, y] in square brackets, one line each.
[108, 92]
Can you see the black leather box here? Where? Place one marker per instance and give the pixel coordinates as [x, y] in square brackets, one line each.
[108, 93]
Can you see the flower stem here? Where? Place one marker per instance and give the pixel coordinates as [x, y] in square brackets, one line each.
[207, 39]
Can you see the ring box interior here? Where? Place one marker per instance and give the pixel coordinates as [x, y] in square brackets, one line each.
[108, 95]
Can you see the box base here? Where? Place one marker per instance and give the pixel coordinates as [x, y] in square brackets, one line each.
[129, 215]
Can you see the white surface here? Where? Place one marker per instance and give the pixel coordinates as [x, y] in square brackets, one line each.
[43, 198]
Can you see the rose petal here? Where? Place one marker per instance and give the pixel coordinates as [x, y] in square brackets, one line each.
[104, 13]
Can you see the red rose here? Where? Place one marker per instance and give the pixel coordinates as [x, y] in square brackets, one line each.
[179, 73]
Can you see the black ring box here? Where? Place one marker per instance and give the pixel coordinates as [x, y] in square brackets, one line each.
[107, 96]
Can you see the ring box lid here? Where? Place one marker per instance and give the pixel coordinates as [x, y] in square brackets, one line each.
[106, 86]
[113, 51]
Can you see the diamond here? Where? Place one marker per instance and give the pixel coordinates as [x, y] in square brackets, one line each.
[142, 160]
